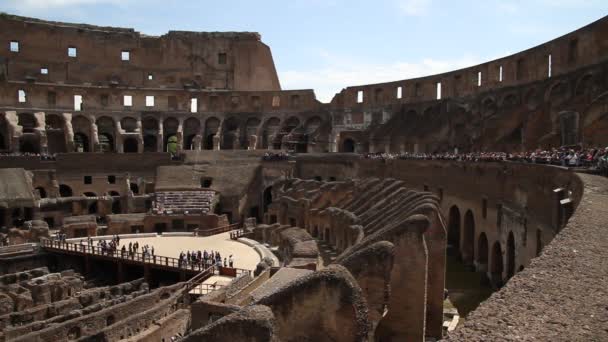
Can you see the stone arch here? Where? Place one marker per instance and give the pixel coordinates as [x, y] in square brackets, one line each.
[312, 124]
[192, 127]
[74, 333]
[65, 191]
[27, 121]
[496, 268]
[93, 208]
[82, 134]
[510, 255]
[55, 133]
[454, 230]
[468, 241]
[251, 128]
[348, 145]
[230, 134]
[128, 124]
[106, 133]
[212, 126]
[267, 198]
[150, 133]
[488, 106]
[509, 101]
[315, 231]
[482, 253]
[585, 85]
[557, 93]
[270, 133]
[134, 188]
[4, 134]
[41, 191]
[130, 145]
[532, 98]
[170, 126]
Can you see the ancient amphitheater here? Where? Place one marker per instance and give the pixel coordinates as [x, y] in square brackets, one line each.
[166, 188]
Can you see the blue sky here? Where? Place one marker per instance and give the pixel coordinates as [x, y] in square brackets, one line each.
[327, 45]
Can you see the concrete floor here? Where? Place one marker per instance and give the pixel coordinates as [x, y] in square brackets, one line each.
[170, 246]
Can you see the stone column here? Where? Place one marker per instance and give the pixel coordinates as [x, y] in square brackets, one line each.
[216, 141]
[41, 131]
[253, 142]
[94, 143]
[15, 131]
[180, 136]
[161, 132]
[119, 137]
[140, 136]
[68, 132]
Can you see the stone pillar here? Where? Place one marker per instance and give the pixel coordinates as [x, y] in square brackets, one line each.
[41, 131]
[140, 136]
[94, 144]
[119, 139]
[180, 136]
[216, 141]
[15, 131]
[161, 132]
[68, 131]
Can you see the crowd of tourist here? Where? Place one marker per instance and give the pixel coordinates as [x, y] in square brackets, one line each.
[279, 156]
[43, 156]
[204, 259]
[593, 158]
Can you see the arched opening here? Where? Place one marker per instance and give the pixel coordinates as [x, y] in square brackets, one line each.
[65, 191]
[267, 198]
[497, 265]
[468, 243]
[106, 142]
[129, 124]
[251, 128]
[27, 121]
[230, 134]
[192, 127]
[150, 133]
[510, 255]
[116, 208]
[134, 188]
[170, 126]
[539, 242]
[113, 193]
[82, 132]
[41, 191]
[55, 134]
[211, 128]
[454, 231]
[81, 142]
[130, 145]
[326, 236]
[106, 133]
[482, 253]
[27, 146]
[348, 145]
[90, 194]
[150, 143]
[270, 132]
[315, 231]
[74, 333]
[93, 208]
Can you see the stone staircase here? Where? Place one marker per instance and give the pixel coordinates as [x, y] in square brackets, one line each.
[192, 202]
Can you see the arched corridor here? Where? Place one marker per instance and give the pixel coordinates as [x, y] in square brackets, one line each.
[468, 242]
[482, 253]
[497, 265]
[454, 231]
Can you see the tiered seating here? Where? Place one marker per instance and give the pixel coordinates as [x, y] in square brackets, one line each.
[184, 202]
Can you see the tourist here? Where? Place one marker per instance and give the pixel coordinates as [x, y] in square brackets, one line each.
[231, 261]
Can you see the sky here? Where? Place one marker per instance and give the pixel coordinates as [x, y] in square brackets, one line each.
[327, 45]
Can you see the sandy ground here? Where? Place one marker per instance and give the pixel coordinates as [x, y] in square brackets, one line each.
[170, 246]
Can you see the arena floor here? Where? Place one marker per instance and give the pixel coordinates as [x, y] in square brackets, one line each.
[244, 256]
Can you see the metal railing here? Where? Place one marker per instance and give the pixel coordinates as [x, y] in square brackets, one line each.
[119, 254]
[219, 230]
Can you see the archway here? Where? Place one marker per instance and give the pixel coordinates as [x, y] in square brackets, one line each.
[497, 265]
[326, 236]
[348, 145]
[106, 142]
[482, 253]
[267, 198]
[81, 142]
[106, 133]
[27, 146]
[468, 243]
[93, 208]
[270, 131]
[134, 188]
[150, 133]
[192, 127]
[130, 145]
[454, 231]
[211, 128]
[315, 231]
[510, 255]
[150, 143]
[116, 208]
[55, 134]
[41, 191]
[230, 134]
[65, 191]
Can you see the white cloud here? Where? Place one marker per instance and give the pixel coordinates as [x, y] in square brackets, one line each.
[414, 7]
[340, 73]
